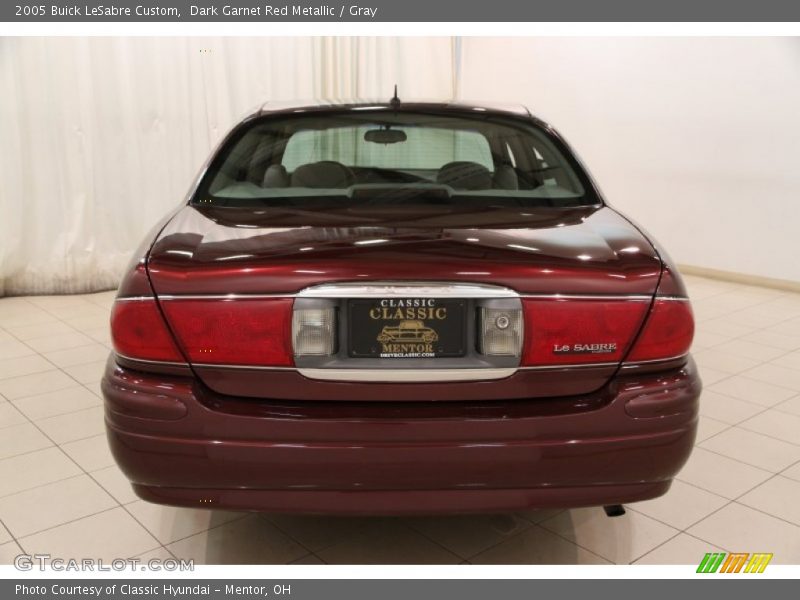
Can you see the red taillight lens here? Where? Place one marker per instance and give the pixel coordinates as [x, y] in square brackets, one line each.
[667, 333]
[253, 332]
[568, 331]
[138, 331]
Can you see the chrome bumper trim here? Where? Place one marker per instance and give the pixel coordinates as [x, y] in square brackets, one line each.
[388, 289]
[407, 375]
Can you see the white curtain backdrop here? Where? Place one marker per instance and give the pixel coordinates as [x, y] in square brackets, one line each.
[696, 138]
[99, 137]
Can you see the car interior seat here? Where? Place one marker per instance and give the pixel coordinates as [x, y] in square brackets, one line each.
[322, 174]
[464, 175]
[505, 178]
[275, 177]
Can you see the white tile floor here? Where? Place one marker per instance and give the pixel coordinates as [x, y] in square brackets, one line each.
[61, 493]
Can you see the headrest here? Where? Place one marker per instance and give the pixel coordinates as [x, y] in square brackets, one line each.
[463, 175]
[505, 178]
[275, 177]
[322, 174]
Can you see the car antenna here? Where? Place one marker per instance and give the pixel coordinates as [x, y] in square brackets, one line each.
[395, 101]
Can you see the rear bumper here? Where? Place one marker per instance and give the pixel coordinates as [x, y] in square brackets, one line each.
[180, 443]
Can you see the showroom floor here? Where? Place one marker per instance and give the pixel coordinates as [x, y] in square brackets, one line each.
[61, 494]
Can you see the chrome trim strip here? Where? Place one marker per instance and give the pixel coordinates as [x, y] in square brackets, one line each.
[407, 375]
[396, 375]
[134, 298]
[224, 296]
[382, 289]
[655, 360]
[568, 366]
[422, 290]
[242, 367]
[390, 375]
[166, 363]
[632, 297]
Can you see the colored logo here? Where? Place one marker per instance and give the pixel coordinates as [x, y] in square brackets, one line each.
[408, 331]
[741, 562]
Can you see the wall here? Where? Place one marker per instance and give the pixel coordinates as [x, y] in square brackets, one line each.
[99, 137]
[698, 139]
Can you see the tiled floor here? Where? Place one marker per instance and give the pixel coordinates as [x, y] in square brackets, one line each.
[61, 493]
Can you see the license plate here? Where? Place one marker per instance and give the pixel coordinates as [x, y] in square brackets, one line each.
[406, 328]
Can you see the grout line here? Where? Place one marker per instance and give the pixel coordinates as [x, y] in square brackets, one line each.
[301, 558]
[765, 434]
[60, 414]
[555, 533]
[11, 533]
[680, 530]
[265, 517]
[451, 550]
[782, 471]
[10, 456]
[697, 443]
[736, 426]
[736, 501]
[186, 537]
[94, 514]
[82, 439]
[399, 519]
[170, 552]
[672, 537]
[4, 427]
[763, 512]
[69, 386]
[62, 369]
[36, 487]
[695, 536]
[508, 539]
[735, 460]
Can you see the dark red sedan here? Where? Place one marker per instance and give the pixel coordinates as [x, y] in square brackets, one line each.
[399, 308]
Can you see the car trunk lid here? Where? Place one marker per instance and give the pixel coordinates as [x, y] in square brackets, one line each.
[587, 254]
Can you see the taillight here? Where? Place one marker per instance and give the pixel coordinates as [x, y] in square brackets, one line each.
[667, 333]
[138, 331]
[567, 331]
[251, 332]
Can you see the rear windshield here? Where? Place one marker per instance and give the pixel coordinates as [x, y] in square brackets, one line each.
[395, 156]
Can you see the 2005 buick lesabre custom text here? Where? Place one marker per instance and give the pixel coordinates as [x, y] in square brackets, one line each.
[399, 307]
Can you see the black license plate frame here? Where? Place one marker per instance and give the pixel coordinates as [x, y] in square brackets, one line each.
[401, 329]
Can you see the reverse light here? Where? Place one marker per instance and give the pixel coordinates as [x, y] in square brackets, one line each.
[667, 333]
[500, 332]
[138, 332]
[314, 331]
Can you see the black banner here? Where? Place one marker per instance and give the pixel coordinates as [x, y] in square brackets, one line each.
[400, 11]
[392, 589]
